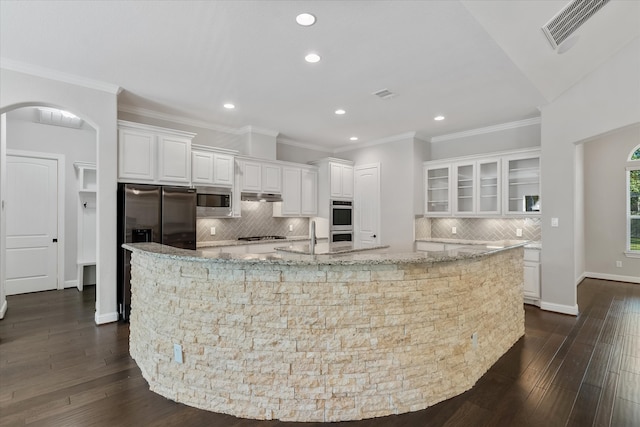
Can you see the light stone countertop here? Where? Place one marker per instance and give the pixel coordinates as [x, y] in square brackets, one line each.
[369, 257]
[326, 248]
[222, 243]
[529, 244]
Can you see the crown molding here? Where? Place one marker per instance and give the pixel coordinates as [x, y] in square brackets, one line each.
[47, 73]
[488, 129]
[177, 119]
[293, 143]
[195, 122]
[386, 140]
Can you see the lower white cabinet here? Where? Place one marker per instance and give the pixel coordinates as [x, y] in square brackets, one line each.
[531, 275]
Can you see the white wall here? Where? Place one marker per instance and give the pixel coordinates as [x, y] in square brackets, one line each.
[500, 140]
[292, 153]
[605, 100]
[75, 145]
[398, 181]
[605, 159]
[98, 106]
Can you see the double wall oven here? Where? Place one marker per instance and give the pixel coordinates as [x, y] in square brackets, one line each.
[341, 221]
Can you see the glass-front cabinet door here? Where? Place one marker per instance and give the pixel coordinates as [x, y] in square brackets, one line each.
[437, 184]
[522, 182]
[464, 194]
[488, 181]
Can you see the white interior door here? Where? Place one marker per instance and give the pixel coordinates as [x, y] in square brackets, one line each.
[31, 220]
[367, 205]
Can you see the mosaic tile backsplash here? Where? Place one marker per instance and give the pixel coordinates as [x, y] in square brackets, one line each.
[257, 220]
[478, 228]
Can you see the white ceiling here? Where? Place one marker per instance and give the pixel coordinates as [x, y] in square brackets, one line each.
[479, 63]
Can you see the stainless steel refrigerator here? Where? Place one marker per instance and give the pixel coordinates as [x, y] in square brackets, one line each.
[151, 213]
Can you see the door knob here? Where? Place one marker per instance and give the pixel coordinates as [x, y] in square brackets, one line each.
[374, 236]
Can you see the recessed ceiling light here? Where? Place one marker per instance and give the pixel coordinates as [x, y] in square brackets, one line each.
[353, 138]
[229, 106]
[306, 19]
[438, 118]
[312, 58]
[340, 111]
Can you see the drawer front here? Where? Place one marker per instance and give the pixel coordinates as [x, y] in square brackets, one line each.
[532, 255]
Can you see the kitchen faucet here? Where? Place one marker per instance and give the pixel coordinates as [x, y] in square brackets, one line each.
[312, 238]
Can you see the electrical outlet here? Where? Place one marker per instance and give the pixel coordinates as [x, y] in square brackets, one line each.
[518, 232]
[453, 230]
[290, 227]
[619, 264]
[213, 231]
[554, 222]
[177, 353]
[474, 340]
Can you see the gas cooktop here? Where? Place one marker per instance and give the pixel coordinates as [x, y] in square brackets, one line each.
[254, 238]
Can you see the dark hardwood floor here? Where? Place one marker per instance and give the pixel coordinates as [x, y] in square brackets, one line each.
[58, 369]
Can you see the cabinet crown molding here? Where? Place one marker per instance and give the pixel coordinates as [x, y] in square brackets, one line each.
[122, 124]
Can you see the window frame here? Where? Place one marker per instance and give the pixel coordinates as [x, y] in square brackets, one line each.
[632, 165]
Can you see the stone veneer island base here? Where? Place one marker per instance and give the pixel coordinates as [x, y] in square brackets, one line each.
[304, 338]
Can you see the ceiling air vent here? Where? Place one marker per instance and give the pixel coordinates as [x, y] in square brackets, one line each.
[384, 94]
[569, 19]
[55, 117]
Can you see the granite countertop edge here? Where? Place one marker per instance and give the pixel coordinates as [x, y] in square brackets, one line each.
[366, 257]
[529, 244]
[223, 243]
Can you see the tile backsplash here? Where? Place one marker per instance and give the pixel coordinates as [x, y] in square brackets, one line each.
[478, 228]
[257, 220]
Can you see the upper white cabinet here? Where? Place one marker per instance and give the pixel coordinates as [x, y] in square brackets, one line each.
[437, 183]
[341, 180]
[522, 182]
[260, 177]
[299, 192]
[489, 188]
[271, 178]
[211, 168]
[150, 154]
[502, 184]
[309, 192]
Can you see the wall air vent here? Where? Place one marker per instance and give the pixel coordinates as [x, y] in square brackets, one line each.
[384, 94]
[569, 19]
[55, 117]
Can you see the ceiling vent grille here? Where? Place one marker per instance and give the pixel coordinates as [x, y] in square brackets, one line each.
[55, 117]
[384, 94]
[569, 19]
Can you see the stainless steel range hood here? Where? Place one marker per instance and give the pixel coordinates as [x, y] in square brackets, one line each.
[260, 197]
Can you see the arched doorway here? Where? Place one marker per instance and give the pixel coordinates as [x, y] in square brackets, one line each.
[30, 135]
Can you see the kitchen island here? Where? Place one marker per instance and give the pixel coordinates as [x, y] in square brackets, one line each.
[322, 337]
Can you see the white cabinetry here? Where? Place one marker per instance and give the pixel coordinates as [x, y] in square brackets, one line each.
[150, 154]
[522, 184]
[211, 168]
[299, 192]
[437, 181]
[341, 180]
[532, 276]
[86, 218]
[502, 184]
[260, 177]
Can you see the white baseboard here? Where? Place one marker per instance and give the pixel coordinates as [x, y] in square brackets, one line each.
[70, 284]
[614, 277]
[581, 278]
[101, 319]
[3, 309]
[559, 308]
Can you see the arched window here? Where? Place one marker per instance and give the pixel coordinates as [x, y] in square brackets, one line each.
[633, 203]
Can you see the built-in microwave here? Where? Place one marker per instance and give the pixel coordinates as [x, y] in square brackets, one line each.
[213, 202]
[341, 215]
